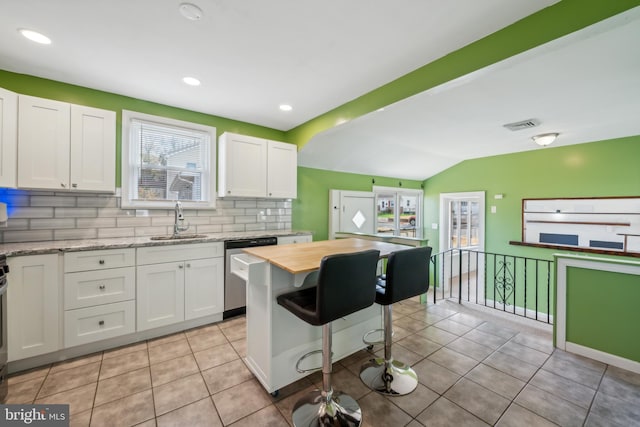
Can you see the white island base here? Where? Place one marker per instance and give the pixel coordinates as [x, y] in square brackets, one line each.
[276, 339]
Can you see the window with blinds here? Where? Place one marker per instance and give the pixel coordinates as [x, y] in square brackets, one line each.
[168, 160]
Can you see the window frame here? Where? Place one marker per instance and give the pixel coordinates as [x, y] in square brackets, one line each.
[129, 162]
[398, 192]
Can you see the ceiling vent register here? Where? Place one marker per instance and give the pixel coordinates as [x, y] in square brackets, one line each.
[521, 125]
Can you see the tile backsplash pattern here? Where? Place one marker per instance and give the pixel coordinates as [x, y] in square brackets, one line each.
[42, 215]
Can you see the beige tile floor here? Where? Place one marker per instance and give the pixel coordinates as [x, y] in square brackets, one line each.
[474, 369]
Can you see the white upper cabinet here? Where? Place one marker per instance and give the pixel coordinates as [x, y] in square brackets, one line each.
[93, 149]
[282, 170]
[65, 146]
[8, 137]
[256, 167]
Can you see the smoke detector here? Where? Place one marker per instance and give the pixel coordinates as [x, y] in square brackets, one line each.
[521, 125]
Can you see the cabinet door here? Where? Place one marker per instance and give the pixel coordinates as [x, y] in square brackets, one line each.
[8, 138]
[282, 170]
[43, 143]
[204, 287]
[33, 312]
[93, 149]
[159, 295]
[244, 166]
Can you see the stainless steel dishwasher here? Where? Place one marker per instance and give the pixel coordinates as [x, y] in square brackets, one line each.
[235, 289]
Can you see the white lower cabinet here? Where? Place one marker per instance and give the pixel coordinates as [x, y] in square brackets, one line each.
[99, 295]
[177, 283]
[33, 315]
[90, 324]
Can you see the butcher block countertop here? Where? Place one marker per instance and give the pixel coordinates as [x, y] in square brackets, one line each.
[305, 257]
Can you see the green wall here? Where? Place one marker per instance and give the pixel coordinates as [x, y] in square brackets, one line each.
[311, 208]
[43, 88]
[597, 169]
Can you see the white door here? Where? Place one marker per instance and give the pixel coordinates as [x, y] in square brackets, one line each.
[43, 143]
[34, 310]
[351, 212]
[8, 138]
[160, 295]
[462, 228]
[204, 287]
[93, 149]
[282, 170]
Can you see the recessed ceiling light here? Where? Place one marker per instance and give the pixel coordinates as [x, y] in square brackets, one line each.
[190, 11]
[191, 81]
[35, 36]
[286, 107]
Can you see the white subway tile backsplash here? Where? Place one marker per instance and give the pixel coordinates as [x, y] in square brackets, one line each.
[76, 233]
[76, 212]
[107, 233]
[96, 222]
[52, 223]
[27, 236]
[47, 215]
[97, 202]
[142, 221]
[54, 201]
[212, 228]
[25, 212]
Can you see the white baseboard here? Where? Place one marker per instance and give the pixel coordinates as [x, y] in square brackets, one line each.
[601, 356]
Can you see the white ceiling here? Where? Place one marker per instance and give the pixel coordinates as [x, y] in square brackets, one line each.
[251, 55]
[586, 86]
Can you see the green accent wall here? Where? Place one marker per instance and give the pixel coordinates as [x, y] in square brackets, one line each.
[311, 208]
[602, 311]
[597, 169]
[44, 88]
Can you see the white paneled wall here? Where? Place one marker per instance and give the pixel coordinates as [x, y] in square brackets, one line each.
[40, 215]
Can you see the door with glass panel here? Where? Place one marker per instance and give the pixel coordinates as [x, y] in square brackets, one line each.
[462, 241]
[397, 212]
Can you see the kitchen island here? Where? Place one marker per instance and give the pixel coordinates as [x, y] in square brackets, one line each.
[276, 339]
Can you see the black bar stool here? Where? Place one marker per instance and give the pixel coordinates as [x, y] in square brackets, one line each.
[344, 284]
[407, 276]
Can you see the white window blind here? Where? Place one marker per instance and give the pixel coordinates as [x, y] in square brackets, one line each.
[168, 161]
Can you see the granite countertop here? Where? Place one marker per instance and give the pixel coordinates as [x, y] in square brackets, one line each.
[54, 246]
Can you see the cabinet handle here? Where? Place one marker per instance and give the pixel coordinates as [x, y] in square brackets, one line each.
[63, 185]
[228, 191]
[101, 323]
[102, 287]
[188, 265]
[181, 266]
[74, 185]
[101, 262]
[269, 193]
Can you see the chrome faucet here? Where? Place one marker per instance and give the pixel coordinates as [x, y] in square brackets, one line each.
[178, 222]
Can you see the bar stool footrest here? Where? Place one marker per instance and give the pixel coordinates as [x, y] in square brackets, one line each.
[304, 356]
[389, 377]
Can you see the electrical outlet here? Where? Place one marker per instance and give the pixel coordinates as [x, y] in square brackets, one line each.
[493, 209]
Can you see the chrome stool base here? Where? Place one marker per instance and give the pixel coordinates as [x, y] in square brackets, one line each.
[317, 409]
[391, 377]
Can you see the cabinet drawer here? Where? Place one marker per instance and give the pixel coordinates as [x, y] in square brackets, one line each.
[99, 260]
[286, 240]
[86, 325]
[160, 254]
[89, 288]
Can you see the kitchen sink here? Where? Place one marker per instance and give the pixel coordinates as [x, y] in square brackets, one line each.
[179, 237]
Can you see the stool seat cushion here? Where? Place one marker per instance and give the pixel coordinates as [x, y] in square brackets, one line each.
[407, 275]
[344, 284]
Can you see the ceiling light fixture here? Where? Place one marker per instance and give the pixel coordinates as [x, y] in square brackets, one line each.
[190, 11]
[286, 107]
[545, 139]
[35, 36]
[191, 81]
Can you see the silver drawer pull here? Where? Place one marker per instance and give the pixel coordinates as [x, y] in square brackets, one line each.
[181, 266]
[101, 262]
[102, 287]
[188, 265]
[101, 323]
